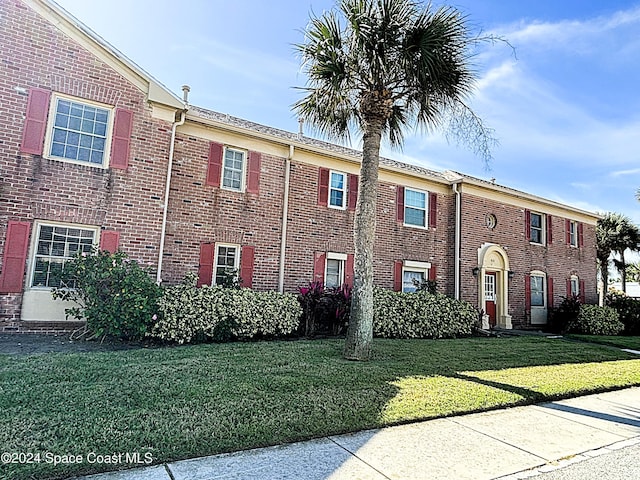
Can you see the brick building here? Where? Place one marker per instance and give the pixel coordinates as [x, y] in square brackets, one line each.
[95, 151]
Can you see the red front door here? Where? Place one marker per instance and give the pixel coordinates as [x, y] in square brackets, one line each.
[490, 295]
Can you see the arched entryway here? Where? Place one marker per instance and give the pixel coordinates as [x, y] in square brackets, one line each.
[493, 286]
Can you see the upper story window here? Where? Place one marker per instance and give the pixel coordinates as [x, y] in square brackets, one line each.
[338, 190]
[56, 245]
[415, 208]
[536, 228]
[233, 168]
[573, 233]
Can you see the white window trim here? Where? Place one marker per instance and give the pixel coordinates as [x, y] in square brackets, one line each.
[342, 257]
[413, 266]
[543, 227]
[538, 273]
[48, 139]
[243, 175]
[345, 201]
[236, 261]
[573, 240]
[33, 248]
[426, 209]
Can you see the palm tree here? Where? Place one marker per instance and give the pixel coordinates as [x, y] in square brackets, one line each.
[393, 63]
[615, 233]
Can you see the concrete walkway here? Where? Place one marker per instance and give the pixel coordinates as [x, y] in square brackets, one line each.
[512, 443]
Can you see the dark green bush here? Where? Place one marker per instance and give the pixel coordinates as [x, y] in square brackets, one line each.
[565, 314]
[188, 314]
[629, 311]
[421, 315]
[114, 294]
[596, 320]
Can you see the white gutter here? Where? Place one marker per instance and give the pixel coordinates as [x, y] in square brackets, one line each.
[285, 213]
[165, 210]
[457, 241]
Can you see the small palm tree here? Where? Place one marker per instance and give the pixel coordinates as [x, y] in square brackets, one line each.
[615, 233]
[376, 67]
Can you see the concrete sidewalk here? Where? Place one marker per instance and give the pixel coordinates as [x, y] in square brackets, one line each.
[510, 443]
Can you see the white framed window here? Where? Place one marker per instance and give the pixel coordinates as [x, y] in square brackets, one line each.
[233, 169]
[536, 228]
[412, 273]
[538, 298]
[337, 190]
[334, 269]
[79, 131]
[574, 283]
[226, 263]
[56, 244]
[573, 233]
[415, 208]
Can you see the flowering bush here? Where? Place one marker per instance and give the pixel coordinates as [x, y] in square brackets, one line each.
[325, 310]
[114, 294]
[189, 314]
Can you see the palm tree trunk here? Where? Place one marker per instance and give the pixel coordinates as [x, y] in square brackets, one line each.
[360, 331]
[623, 271]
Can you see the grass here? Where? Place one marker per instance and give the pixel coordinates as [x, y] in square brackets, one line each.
[632, 343]
[176, 403]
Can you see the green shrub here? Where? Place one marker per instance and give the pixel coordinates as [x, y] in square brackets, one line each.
[325, 310]
[596, 320]
[420, 315]
[565, 314]
[115, 295]
[188, 314]
[629, 311]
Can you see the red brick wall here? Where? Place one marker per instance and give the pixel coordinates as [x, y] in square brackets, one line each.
[36, 54]
[558, 260]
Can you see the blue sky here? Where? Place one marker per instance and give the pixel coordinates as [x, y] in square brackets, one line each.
[565, 107]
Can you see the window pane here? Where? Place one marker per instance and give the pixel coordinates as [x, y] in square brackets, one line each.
[337, 181]
[334, 273]
[337, 198]
[408, 278]
[536, 220]
[233, 169]
[414, 217]
[537, 291]
[414, 199]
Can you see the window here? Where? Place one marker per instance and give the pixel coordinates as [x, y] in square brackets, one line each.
[56, 245]
[226, 264]
[78, 131]
[573, 233]
[415, 208]
[337, 190]
[574, 286]
[537, 290]
[334, 272]
[414, 274]
[233, 169]
[536, 228]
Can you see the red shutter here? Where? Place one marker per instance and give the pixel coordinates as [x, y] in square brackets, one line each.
[15, 257]
[580, 235]
[205, 269]
[109, 241]
[253, 182]
[433, 209]
[348, 271]
[549, 229]
[400, 204]
[550, 292]
[319, 262]
[246, 266]
[527, 225]
[323, 189]
[397, 275]
[432, 273]
[568, 287]
[567, 231]
[527, 293]
[214, 166]
[121, 140]
[353, 192]
[582, 292]
[35, 123]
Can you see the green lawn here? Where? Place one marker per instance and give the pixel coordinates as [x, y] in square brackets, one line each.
[632, 343]
[176, 403]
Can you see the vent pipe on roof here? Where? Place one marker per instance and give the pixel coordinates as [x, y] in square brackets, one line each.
[301, 128]
[185, 93]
